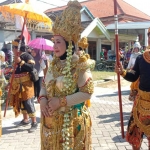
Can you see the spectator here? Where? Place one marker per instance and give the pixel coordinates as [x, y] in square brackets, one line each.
[105, 53]
[136, 52]
[28, 49]
[102, 54]
[128, 54]
[46, 60]
[49, 55]
[39, 66]
[143, 49]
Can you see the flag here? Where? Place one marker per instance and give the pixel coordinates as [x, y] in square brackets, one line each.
[19, 24]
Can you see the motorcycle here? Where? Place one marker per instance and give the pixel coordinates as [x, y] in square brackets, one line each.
[105, 65]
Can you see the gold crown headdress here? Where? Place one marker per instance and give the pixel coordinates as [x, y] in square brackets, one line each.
[83, 43]
[68, 24]
[14, 43]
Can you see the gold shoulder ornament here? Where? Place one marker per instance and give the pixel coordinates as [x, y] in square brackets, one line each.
[84, 59]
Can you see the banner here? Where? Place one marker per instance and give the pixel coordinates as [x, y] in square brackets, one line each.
[19, 23]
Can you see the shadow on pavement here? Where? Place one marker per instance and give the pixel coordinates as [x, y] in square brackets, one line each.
[3, 107]
[114, 117]
[17, 122]
[9, 130]
[16, 128]
[123, 93]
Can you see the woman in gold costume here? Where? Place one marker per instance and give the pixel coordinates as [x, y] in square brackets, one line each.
[65, 120]
[139, 123]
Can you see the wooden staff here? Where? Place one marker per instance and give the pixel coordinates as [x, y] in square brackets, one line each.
[117, 59]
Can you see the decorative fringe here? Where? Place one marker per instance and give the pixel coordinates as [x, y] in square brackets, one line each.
[31, 24]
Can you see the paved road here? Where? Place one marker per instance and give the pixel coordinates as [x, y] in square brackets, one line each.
[105, 119]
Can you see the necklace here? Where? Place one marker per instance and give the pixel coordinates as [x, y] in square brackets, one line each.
[58, 68]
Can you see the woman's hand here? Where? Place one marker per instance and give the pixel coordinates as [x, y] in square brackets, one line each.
[44, 107]
[53, 104]
[118, 68]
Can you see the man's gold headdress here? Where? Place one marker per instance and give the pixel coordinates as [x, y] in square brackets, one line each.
[16, 42]
[83, 43]
[68, 25]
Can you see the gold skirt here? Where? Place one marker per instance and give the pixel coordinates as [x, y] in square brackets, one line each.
[69, 129]
[22, 90]
[141, 112]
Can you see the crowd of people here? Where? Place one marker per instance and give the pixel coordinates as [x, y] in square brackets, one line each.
[124, 54]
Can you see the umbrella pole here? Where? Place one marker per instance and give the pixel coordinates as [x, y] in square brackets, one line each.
[13, 74]
[117, 59]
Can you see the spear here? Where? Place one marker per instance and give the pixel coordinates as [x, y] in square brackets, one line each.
[13, 74]
[117, 59]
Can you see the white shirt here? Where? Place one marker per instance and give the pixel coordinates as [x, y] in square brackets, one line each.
[132, 60]
[42, 66]
[50, 57]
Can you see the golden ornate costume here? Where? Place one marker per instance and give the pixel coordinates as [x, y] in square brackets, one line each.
[22, 90]
[139, 123]
[69, 80]
[73, 121]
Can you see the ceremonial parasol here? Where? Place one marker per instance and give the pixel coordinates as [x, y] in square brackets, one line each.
[31, 16]
[41, 43]
[117, 59]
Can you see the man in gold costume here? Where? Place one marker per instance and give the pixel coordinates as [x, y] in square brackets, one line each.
[139, 123]
[65, 120]
[22, 91]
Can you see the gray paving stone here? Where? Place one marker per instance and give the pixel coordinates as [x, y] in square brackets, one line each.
[106, 131]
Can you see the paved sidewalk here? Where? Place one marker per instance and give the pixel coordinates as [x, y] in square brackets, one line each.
[105, 119]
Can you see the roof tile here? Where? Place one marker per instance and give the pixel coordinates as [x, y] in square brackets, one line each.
[105, 8]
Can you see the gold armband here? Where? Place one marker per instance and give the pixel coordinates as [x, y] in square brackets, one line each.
[124, 72]
[22, 63]
[88, 87]
[31, 61]
[62, 101]
[41, 97]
